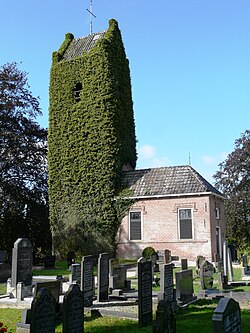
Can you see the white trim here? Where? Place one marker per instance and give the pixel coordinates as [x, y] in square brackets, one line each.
[192, 221]
[135, 211]
[173, 195]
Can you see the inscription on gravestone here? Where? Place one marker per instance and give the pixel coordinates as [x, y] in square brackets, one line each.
[76, 273]
[167, 283]
[22, 262]
[227, 317]
[206, 274]
[43, 313]
[73, 310]
[144, 291]
[103, 277]
[87, 284]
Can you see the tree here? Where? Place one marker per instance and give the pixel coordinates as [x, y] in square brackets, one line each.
[23, 163]
[233, 180]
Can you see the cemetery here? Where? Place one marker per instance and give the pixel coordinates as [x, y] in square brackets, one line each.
[126, 294]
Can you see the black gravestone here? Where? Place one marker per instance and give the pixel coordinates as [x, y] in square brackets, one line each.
[49, 261]
[22, 260]
[53, 286]
[87, 280]
[227, 317]
[103, 277]
[165, 321]
[144, 292]
[73, 310]
[43, 313]
[207, 271]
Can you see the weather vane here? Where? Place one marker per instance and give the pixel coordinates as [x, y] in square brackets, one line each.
[90, 10]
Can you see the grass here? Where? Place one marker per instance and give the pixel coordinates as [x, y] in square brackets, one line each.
[61, 268]
[197, 317]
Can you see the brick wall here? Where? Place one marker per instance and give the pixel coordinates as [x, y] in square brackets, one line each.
[160, 227]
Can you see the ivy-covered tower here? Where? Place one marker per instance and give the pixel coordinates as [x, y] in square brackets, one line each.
[91, 137]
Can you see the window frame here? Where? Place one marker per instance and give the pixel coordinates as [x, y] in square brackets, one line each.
[129, 229]
[192, 223]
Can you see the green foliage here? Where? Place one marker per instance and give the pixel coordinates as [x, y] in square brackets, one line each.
[23, 163]
[148, 252]
[89, 142]
[233, 180]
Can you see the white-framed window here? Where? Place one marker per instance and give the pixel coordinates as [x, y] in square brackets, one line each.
[135, 225]
[185, 223]
[217, 213]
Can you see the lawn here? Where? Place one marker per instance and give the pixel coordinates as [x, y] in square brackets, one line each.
[196, 317]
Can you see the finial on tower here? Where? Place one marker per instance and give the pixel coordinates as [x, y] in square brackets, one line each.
[90, 10]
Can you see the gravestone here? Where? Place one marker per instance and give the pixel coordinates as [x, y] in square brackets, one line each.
[144, 292]
[73, 310]
[49, 261]
[75, 276]
[165, 321]
[198, 262]
[22, 260]
[53, 286]
[117, 275]
[184, 286]
[227, 317]
[167, 283]
[167, 256]
[43, 313]
[206, 274]
[103, 277]
[70, 258]
[87, 279]
[184, 264]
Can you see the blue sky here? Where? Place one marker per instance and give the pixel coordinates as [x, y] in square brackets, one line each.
[189, 63]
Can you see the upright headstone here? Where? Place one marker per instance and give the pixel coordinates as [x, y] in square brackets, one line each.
[206, 274]
[75, 276]
[167, 283]
[227, 317]
[230, 265]
[87, 279]
[165, 321]
[144, 292]
[167, 256]
[117, 275]
[73, 310]
[198, 262]
[43, 313]
[184, 264]
[70, 258]
[22, 260]
[103, 277]
[184, 286]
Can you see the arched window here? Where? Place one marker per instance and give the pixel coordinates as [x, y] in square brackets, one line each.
[77, 91]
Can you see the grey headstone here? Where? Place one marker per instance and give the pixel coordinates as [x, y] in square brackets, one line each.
[167, 256]
[73, 310]
[167, 283]
[244, 260]
[53, 286]
[22, 260]
[198, 262]
[87, 279]
[117, 275]
[75, 276]
[165, 321]
[144, 292]
[227, 317]
[207, 274]
[103, 277]
[43, 313]
[184, 286]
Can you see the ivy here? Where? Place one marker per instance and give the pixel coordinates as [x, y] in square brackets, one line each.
[91, 136]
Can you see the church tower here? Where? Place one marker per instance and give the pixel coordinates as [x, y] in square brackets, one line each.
[91, 132]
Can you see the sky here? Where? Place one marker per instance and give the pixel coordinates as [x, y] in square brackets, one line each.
[189, 64]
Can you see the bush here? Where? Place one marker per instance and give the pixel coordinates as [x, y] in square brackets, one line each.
[148, 252]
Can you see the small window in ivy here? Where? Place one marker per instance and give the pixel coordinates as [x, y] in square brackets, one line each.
[77, 92]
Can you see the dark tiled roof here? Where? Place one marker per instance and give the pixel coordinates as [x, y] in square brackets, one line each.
[81, 45]
[167, 181]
